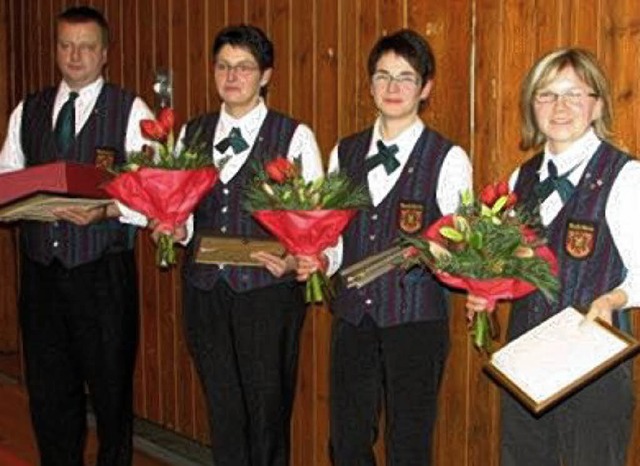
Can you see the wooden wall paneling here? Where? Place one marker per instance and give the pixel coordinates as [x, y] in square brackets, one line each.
[279, 30]
[8, 257]
[621, 59]
[186, 30]
[166, 279]
[326, 88]
[392, 15]
[488, 156]
[367, 26]
[236, 11]
[258, 14]
[301, 62]
[349, 70]
[448, 112]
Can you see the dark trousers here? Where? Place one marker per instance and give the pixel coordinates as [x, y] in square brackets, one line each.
[400, 366]
[591, 428]
[245, 347]
[80, 326]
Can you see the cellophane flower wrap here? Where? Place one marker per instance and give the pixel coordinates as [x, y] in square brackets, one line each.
[306, 217]
[163, 185]
[491, 250]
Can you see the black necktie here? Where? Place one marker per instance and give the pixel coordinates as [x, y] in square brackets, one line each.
[555, 183]
[65, 129]
[386, 157]
[235, 140]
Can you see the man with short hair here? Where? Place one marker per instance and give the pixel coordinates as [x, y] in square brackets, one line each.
[78, 294]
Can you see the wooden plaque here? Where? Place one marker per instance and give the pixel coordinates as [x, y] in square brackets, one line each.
[40, 207]
[211, 249]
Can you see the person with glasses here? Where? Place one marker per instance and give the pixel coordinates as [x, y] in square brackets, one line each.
[78, 288]
[390, 338]
[243, 323]
[586, 192]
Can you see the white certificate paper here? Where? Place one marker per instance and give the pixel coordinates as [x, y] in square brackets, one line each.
[557, 357]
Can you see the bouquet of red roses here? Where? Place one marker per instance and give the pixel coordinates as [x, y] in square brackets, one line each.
[164, 186]
[306, 217]
[488, 249]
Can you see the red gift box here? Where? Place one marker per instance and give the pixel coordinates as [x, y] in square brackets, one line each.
[68, 178]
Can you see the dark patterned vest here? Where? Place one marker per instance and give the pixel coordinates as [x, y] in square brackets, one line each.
[397, 297]
[221, 212]
[588, 259]
[105, 128]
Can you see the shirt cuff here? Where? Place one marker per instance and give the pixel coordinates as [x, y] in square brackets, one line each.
[131, 216]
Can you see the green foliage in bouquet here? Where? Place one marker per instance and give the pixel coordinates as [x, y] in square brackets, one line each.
[488, 238]
[280, 186]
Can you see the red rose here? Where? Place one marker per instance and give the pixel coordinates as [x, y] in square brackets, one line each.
[279, 169]
[153, 130]
[502, 187]
[489, 195]
[166, 118]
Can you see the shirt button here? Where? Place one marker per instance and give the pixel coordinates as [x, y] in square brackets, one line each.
[55, 244]
[374, 217]
[224, 209]
[225, 191]
[55, 224]
[223, 229]
[368, 302]
[372, 237]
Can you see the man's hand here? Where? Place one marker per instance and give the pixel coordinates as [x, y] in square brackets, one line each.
[82, 216]
[278, 266]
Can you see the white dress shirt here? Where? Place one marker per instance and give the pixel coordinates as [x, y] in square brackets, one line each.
[12, 156]
[303, 147]
[455, 176]
[620, 212]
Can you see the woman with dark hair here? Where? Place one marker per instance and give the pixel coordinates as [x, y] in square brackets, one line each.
[390, 338]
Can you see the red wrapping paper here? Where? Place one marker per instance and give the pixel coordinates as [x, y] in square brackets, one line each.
[305, 232]
[168, 196]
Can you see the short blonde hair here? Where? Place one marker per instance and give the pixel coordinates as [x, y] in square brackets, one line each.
[586, 66]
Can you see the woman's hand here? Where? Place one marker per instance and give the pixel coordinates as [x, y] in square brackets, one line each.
[475, 304]
[278, 266]
[604, 305]
[307, 265]
[178, 234]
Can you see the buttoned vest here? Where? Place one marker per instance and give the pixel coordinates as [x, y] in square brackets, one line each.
[105, 128]
[588, 259]
[397, 297]
[222, 213]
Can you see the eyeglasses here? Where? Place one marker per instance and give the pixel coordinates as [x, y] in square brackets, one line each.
[241, 69]
[405, 81]
[571, 97]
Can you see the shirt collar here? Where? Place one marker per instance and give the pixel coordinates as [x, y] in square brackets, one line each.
[405, 140]
[86, 93]
[579, 152]
[248, 123]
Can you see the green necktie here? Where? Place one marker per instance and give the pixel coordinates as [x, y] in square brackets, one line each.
[386, 157]
[555, 183]
[65, 129]
[235, 140]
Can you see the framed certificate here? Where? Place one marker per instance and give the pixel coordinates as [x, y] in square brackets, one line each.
[211, 249]
[529, 366]
[40, 206]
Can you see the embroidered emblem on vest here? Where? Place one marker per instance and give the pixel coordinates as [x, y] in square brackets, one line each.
[410, 217]
[105, 156]
[580, 239]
